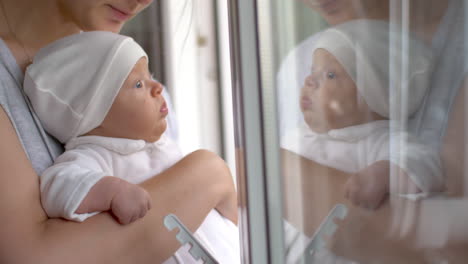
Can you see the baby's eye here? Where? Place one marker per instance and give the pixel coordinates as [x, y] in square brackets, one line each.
[331, 75]
[138, 84]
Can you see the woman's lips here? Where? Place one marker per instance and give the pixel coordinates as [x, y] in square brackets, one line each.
[119, 15]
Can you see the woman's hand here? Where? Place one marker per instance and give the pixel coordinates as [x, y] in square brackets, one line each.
[380, 236]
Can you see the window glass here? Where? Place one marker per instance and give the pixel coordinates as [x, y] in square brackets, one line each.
[368, 99]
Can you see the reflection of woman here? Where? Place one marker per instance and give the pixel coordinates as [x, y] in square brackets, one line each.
[27, 235]
[439, 23]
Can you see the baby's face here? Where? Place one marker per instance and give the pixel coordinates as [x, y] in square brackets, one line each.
[139, 110]
[329, 97]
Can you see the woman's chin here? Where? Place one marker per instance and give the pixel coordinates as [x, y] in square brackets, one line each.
[112, 26]
[105, 25]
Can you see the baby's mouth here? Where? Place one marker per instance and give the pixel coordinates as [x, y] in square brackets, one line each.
[306, 103]
[164, 109]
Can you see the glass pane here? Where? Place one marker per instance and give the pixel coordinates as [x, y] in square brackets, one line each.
[369, 99]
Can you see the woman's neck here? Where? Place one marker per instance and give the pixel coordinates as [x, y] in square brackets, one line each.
[426, 15]
[28, 25]
[378, 10]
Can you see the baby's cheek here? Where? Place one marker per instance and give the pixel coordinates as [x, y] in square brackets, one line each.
[334, 113]
[336, 108]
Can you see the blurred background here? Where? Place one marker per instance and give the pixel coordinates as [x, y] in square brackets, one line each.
[189, 49]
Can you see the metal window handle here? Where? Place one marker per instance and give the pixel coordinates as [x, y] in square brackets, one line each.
[326, 228]
[185, 236]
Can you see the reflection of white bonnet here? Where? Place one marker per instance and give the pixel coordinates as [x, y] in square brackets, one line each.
[74, 81]
[363, 47]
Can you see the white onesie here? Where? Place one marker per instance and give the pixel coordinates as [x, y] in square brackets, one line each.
[89, 158]
[354, 148]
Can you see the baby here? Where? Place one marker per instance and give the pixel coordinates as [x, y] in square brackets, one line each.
[347, 103]
[94, 93]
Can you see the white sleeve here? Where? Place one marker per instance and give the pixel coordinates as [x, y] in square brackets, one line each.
[65, 184]
[421, 162]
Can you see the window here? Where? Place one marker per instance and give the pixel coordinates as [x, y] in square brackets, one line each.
[188, 46]
[353, 109]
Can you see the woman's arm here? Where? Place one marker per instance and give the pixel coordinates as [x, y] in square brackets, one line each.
[311, 190]
[386, 235]
[414, 231]
[404, 231]
[190, 189]
[454, 146]
[392, 234]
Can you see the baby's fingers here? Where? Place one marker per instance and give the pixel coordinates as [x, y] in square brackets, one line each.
[143, 211]
[352, 187]
[148, 205]
[125, 220]
[148, 201]
[134, 218]
[354, 196]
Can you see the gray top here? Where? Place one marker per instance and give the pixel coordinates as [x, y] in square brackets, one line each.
[39, 146]
[449, 51]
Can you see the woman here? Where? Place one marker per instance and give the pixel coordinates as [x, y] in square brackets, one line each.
[27, 235]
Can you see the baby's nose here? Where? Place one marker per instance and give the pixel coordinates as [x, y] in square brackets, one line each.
[311, 81]
[156, 88]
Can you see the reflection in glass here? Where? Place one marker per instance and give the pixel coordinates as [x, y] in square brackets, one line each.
[370, 114]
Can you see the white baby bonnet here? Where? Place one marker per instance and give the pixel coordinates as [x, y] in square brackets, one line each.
[363, 48]
[73, 81]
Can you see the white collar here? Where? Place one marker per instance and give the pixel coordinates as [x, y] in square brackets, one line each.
[123, 146]
[351, 133]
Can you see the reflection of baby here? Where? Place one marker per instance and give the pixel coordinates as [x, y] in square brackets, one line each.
[94, 93]
[346, 105]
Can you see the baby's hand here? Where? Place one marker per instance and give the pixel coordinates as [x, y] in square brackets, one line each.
[130, 203]
[369, 187]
